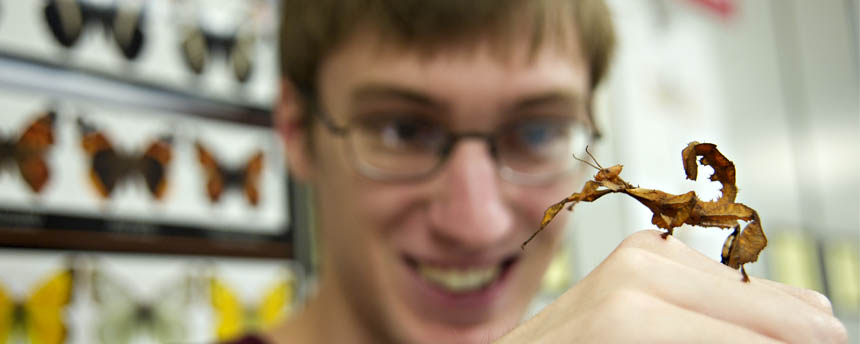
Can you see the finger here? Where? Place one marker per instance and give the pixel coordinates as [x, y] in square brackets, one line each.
[758, 307]
[668, 323]
[812, 297]
[619, 319]
[676, 250]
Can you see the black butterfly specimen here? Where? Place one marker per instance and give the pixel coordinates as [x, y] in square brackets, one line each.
[67, 20]
[110, 167]
[199, 45]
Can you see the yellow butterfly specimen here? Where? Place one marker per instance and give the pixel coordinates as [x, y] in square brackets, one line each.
[40, 316]
[234, 318]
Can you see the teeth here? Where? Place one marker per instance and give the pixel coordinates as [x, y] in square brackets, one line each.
[463, 280]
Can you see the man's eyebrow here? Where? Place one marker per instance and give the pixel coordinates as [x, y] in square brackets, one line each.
[554, 97]
[380, 92]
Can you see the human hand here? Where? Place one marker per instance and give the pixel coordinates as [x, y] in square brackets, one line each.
[655, 290]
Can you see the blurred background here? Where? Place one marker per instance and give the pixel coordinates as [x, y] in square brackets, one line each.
[143, 196]
[153, 205]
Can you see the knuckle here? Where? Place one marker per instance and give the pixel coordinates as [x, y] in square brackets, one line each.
[625, 302]
[840, 334]
[630, 261]
[818, 300]
[831, 330]
[640, 239]
[621, 306]
[822, 328]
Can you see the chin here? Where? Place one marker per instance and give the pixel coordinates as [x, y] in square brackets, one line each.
[443, 333]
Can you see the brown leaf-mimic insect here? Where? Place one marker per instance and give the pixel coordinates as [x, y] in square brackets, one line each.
[670, 211]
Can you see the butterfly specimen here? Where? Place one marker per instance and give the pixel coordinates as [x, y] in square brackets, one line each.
[125, 316]
[234, 318]
[38, 318]
[28, 151]
[220, 177]
[199, 45]
[68, 18]
[109, 167]
[671, 211]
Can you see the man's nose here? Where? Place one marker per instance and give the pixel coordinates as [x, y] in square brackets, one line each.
[469, 208]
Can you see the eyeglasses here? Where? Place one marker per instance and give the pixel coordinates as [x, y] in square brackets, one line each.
[402, 147]
[67, 19]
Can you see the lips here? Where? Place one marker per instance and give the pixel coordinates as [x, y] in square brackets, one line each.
[460, 280]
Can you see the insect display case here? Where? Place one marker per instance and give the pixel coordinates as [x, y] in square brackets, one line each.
[140, 180]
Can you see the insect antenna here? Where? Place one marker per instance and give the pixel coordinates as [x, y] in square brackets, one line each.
[592, 157]
[597, 166]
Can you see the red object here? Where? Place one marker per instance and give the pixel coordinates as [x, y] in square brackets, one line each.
[724, 8]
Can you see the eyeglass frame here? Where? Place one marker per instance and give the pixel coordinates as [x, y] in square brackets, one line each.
[451, 140]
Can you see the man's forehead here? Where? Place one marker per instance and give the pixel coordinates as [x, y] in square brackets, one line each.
[366, 58]
[381, 92]
[514, 49]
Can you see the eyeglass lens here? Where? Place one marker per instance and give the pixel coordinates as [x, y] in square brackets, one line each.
[404, 147]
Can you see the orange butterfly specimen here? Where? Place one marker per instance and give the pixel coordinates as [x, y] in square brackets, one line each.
[110, 167]
[28, 151]
[219, 177]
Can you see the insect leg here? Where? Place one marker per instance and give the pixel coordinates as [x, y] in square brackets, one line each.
[667, 233]
[746, 277]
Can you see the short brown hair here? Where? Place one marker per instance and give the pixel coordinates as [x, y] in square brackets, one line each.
[311, 29]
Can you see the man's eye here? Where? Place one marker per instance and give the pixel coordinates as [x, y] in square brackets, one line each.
[397, 131]
[537, 135]
[402, 133]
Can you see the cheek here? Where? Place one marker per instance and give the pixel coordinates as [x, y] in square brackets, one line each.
[352, 208]
[337, 198]
[534, 200]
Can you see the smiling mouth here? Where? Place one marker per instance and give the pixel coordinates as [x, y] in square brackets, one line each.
[461, 280]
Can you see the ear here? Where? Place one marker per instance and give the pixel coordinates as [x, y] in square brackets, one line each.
[288, 123]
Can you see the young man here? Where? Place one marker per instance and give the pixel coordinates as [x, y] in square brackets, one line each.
[434, 134]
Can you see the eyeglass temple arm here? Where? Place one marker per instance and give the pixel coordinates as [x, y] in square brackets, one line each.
[318, 112]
